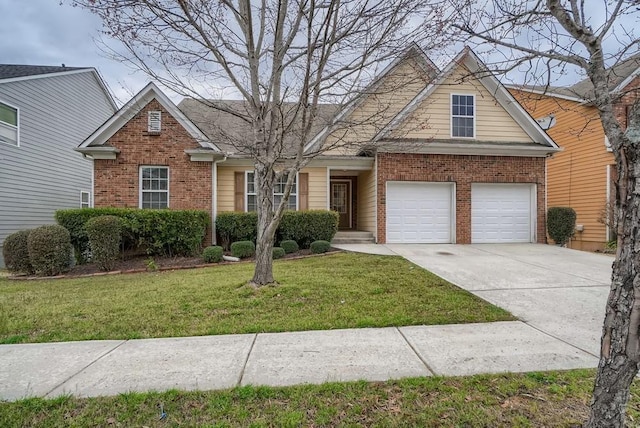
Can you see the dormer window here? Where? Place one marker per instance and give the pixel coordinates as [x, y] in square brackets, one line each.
[463, 116]
[155, 122]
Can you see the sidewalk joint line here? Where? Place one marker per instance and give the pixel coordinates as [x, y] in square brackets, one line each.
[568, 287]
[244, 366]
[86, 367]
[560, 339]
[429, 369]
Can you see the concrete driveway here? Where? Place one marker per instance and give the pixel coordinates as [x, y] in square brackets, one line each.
[558, 291]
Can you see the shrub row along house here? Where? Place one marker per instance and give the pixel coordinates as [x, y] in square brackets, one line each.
[46, 112]
[451, 157]
[583, 175]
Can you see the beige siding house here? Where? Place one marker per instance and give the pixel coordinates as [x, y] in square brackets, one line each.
[422, 155]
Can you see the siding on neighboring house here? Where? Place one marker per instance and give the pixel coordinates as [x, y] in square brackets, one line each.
[226, 186]
[576, 176]
[432, 118]
[367, 202]
[44, 174]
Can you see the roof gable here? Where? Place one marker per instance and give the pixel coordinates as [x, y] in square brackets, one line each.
[101, 135]
[467, 60]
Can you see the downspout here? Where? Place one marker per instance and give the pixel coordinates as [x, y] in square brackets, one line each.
[214, 197]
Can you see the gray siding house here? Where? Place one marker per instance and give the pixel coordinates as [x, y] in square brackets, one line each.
[46, 112]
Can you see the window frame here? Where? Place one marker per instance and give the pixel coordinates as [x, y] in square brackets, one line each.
[473, 117]
[247, 194]
[141, 191]
[88, 204]
[17, 127]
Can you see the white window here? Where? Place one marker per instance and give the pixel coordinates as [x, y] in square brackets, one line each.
[154, 123]
[278, 192]
[9, 125]
[154, 187]
[85, 199]
[463, 116]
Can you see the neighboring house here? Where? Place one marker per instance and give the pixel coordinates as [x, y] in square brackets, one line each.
[582, 176]
[450, 158]
[45, 112]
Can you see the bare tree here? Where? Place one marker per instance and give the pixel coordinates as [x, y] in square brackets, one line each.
[283, 58]
[547, 37]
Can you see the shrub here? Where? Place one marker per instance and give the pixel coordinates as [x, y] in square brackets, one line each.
[105, 235]
[304, 227]
[278, 252]
[236, 226]
[318, 247]
[243, 249]
[561, 223]
[158, 232]
[16, 252]
[212, 254]
[49, 249]
[289, 246]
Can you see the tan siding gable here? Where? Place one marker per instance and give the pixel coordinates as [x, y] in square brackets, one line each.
[384, 102]
[431, 119]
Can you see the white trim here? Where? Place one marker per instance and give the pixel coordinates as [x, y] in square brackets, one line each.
[460, 94]
[140, 168]
[549, 94]
[626, 81]
[607, 144]
[17, 144]
[93, 181]
[101, 135]
[350, 200]
[375, 198]
[328, 188]
[89, 204]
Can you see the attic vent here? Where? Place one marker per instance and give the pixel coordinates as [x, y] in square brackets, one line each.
[155, 122]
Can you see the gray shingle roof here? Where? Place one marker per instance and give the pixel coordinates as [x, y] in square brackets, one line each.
[230, 133]
[9, 71]
[616, 74]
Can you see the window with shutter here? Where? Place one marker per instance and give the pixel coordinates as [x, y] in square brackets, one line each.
[155, 122]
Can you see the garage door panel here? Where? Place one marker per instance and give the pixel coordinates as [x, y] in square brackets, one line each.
[501, 213]
[419, 212]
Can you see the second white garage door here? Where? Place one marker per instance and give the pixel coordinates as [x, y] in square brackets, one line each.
[502, 213]
[419, 212]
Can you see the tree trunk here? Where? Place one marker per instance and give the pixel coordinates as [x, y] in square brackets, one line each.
[620, 346]
[264, 182]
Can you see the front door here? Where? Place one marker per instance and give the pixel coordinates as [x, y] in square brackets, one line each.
[341, 202]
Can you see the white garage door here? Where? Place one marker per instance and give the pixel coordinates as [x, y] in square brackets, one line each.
[419, 212]
[502, 213]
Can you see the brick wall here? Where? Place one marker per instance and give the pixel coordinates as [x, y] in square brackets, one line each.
[463, 170]
[117, 181]
[622, 105]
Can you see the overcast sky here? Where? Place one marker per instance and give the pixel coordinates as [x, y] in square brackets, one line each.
[42, 32]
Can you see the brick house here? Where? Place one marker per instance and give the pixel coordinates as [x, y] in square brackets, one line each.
[451, 157]
[582, 176]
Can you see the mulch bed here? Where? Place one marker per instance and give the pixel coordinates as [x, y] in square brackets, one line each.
[138, 264]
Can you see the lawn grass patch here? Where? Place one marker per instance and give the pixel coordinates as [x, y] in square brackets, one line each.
[343, 290]
[558, 399]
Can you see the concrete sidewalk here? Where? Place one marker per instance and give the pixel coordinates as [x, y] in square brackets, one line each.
[94, 368]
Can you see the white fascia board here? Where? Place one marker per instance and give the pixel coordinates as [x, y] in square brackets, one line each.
[202, 155]
[626, 81]
[99, 152]
[474, 149]
[133, 106]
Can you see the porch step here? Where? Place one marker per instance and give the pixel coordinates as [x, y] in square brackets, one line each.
[353, 237]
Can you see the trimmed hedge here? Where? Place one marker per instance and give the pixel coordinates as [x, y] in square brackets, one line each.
[212, 254]
[318, 247]
[158, 232]
[289, 246]
[16, 252]
[105, 235]
[243, 249]
[50, 250]
[236, 226]
[278, 253]
[304, 227]
[561, 223]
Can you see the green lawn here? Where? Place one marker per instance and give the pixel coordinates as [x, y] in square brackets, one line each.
[554, 399]
[337, 291]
